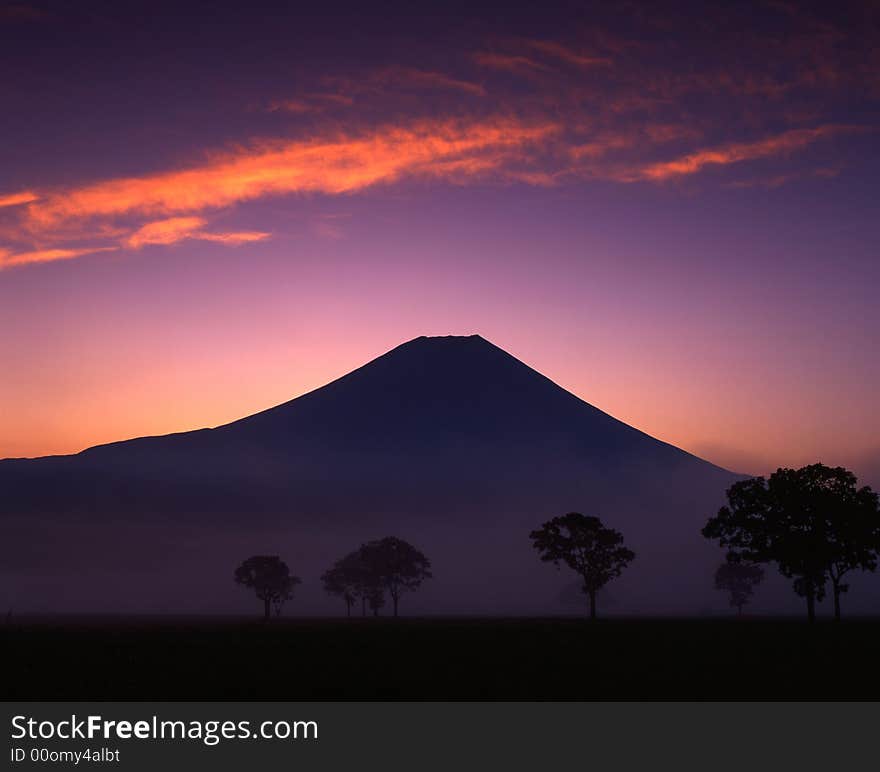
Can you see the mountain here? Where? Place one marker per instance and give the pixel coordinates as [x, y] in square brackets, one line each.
[448, 442]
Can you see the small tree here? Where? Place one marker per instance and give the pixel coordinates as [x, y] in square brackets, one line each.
[394, 565]
[376, 600]
[270, 579]
[355, 577]
[337, 582]
[739, 580]
[587, 547]
[284, 594]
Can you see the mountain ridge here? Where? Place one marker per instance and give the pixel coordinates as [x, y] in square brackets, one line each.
[402, 349]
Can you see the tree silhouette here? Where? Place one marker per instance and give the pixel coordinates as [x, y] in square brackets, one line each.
[284, 594]
[376, 600]
[394, 565]
[270, 579]
[851, 523]
[338, 581]
[813, 522]
[355, 577]
[586, 546]
[740, 580]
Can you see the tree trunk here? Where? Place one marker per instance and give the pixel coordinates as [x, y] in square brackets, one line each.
[267, 615]
[347, 607]
[363, 605]
[836, 600]
[811, 604]
[592, 605]
[394, 598]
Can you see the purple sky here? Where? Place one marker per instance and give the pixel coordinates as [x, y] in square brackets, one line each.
[674, 214]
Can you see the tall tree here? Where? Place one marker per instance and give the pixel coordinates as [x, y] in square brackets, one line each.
[396, 566]
[739, 580]
[587, 547]
[813, 522]
[270, 579]
[851, 523]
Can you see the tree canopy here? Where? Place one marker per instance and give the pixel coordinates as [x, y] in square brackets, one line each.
[270, 579]
[388, 564]
[351, 579]
[396, 565]
[586, 546]
[815, 523]
[739, 581]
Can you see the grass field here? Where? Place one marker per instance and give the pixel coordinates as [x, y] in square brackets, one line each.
[439, 658]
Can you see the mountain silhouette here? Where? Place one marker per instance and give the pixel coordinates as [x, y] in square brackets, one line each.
[448, 442]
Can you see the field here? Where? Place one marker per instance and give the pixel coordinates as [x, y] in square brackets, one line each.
[439, 658]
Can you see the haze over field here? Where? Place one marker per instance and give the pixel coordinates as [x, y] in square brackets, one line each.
[206, 210]
[448, 442]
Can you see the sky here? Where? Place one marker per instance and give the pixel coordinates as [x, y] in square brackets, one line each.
[206, 210]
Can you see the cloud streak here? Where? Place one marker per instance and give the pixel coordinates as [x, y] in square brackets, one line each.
[337, 165]
[559, 51]
[17, 199]
[590, 108]
[411, 77]
[176, 229]
[8, 259]
[692, 163]
[514, 63]
[171, 206]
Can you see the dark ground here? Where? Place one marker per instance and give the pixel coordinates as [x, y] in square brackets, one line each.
[436, 658]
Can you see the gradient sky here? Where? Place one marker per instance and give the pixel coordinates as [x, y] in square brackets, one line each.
[205, 211]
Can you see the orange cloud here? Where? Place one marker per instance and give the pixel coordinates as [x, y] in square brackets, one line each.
[566, 54]
[332, 166]
[174, 229]
[8, 259]
[16, 199]
[789, 141]
[233, 239]
[165, 231]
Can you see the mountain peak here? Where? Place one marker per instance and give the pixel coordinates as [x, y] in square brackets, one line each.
[447, 340]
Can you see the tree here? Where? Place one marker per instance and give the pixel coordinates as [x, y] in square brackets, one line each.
[376, 600]
[270, 579]
[338, 582]
[394, 565]
[284, 594]
[765, 523]
[740, 580]
[851, 518]
[587, 547]
[353, 577]
[813, 522]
